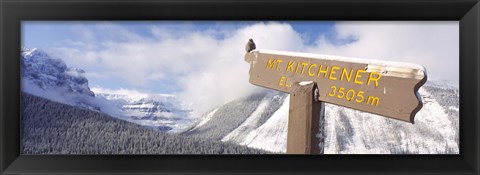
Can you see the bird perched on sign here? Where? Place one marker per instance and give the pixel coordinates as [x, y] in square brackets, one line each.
[250, 45]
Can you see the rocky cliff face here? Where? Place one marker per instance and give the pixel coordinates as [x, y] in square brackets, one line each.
[50, 78]
[46, 72]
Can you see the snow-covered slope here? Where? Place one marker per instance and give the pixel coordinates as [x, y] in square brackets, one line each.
[435, 129]
[50, 78]
[161, 111]
[269, 136]
[238, 117]
[350, 131]
[259, 120]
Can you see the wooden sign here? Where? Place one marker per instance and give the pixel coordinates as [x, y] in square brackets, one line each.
[306, 120]
[384, 88]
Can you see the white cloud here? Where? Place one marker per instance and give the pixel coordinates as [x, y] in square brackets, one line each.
[124, 92]
[211, 70]
[434, 45]
[225, 77]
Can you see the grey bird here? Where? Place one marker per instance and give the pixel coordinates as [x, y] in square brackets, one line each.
[250, 45]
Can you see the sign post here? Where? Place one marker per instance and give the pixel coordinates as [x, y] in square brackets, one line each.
[302, 131]
[388, 89]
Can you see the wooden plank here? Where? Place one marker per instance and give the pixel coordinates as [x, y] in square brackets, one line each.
[303, 121]
[383, 89]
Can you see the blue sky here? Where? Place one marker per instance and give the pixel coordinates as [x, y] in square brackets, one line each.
[43, 34]
[204, 59]
[58, 34]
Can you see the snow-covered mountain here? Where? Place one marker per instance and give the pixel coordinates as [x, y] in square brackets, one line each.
[347, 131]
[50, 78]
[161, 111]
[258, 120]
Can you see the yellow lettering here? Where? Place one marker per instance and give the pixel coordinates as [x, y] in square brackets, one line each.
[332, 72]
[290, 66]
[284, 82]
[278, 63]
[373, 100]
[334, 88]
[358, 75]
[347, 76]
[270, 63]
[360, 95]
[303, 67]
[320, 70]
[309, 68]
[370, 78]
[281, 82]
[296, 68]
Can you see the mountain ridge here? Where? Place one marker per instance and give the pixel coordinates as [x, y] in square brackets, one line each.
[258, 120]
[53, 128]
[50, 78]
[350, 131]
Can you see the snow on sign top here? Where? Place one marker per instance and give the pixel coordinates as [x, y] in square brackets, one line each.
[390, 67]
[379, 87]
[344, 59]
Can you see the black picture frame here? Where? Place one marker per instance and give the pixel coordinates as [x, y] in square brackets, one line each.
[12, 12]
